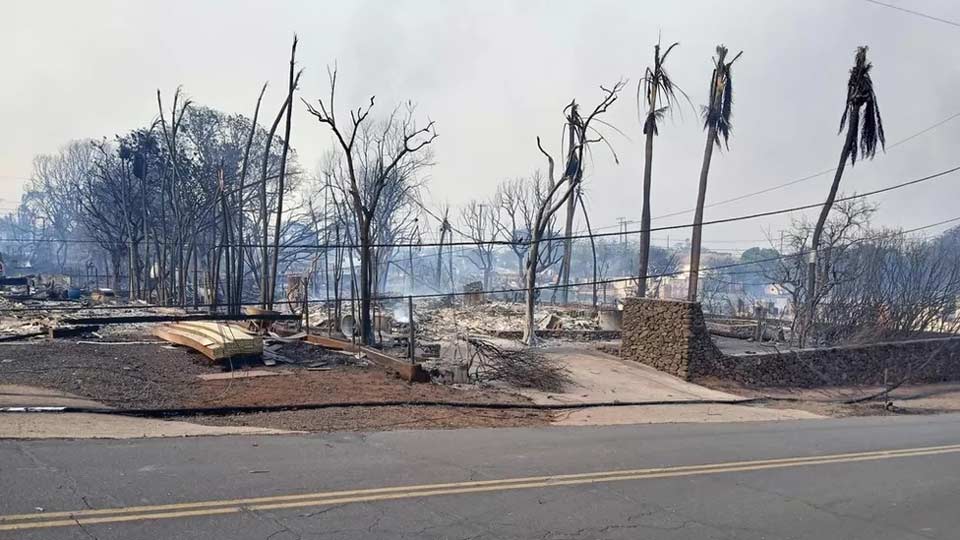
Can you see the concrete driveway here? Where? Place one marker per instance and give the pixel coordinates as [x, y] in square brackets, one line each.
[602, 377]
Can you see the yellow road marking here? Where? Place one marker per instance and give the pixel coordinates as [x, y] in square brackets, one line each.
[204, 508]
[279, 498]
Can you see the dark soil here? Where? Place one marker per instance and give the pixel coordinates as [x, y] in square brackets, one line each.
[336, 386]
[117, 375]
[160, 376]
[382, 419]
[305, 354]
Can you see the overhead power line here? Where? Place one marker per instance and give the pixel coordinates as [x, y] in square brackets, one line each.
[503, 291]
[913, 12]
[768, 213]
[795, 181]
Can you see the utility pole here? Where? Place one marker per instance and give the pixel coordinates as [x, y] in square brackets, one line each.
[416, 234]
[622, 222]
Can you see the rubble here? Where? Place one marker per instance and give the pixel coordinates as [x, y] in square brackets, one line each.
[436, 322]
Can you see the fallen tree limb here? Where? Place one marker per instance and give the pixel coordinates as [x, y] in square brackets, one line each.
[525, 368]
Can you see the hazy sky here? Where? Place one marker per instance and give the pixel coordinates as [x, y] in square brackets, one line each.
[494, 75]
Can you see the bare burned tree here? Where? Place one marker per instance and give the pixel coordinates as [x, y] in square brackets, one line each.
[560, 191]
[179, 203]
[51, 193]
[395, 143]
[519, 200]
[481, 221]
[281, 180]
[848, 225]
[898, 287]
[514, 200]
[234, 219]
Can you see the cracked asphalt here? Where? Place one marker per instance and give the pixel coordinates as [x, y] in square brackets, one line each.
[914, 497]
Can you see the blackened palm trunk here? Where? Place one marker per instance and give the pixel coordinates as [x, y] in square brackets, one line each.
[645, 217]
[698, 216]
[810, 319]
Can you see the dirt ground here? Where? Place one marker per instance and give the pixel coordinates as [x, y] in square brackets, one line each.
[128, 375]
[382, 419]
[829, 401]
[161, 376]
[156, 375]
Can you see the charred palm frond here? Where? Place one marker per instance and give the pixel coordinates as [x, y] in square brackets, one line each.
[658, 89]
[864, 129]
[717, 113]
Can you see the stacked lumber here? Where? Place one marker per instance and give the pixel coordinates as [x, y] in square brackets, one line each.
[215, 340]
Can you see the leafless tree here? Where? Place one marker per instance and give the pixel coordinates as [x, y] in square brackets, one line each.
[271, 270]
[51, 193]
[848, 225]
[481, 221]
[396, 143]
[519, 200]
[561, 190]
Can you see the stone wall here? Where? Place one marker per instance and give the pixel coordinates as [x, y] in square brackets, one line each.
[921, 361]
[669, 335]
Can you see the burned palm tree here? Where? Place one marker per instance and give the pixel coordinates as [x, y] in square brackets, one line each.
[861, 118]
[659, 95]
[716, 120]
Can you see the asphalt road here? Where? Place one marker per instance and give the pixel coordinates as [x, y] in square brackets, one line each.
[870, 478]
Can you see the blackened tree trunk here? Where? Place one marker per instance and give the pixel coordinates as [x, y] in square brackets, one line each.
[645, 217]
[281, 181]
[568, 229]
[698, 216]
[811, 304]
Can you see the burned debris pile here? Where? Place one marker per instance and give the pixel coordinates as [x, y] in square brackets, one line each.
[520, 367]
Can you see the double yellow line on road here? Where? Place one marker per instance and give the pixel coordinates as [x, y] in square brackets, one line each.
[16, 522]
